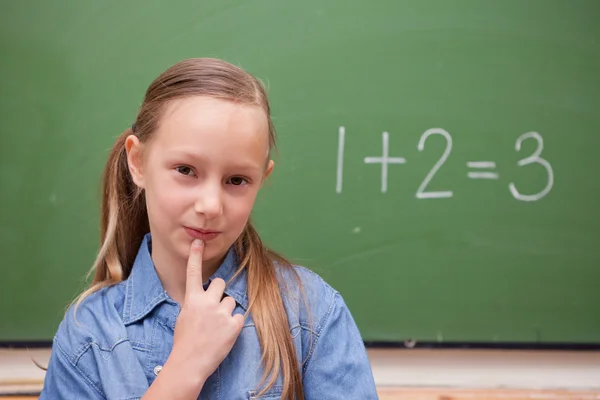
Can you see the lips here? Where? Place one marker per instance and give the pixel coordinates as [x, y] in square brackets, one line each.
[202, 234]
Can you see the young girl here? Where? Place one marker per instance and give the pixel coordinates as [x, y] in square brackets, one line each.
[186, 301]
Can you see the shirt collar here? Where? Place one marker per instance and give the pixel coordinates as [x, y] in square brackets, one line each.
[144, 290]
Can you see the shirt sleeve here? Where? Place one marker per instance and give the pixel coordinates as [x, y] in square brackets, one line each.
[65, 381]
[338, 366]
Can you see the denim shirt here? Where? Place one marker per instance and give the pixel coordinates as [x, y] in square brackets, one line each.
[124, 334]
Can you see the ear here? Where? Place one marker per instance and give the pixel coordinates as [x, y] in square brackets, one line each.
[269, 170]
[134, 147]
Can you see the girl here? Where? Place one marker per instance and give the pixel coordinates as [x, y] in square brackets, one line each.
[186, 302]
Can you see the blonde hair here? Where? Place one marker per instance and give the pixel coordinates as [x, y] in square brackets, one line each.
[124, 219]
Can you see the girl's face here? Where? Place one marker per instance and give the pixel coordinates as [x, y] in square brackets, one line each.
[201, 172]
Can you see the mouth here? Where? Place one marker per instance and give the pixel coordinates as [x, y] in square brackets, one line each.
[202, 234]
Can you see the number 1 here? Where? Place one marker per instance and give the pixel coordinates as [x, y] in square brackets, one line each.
[340, 160]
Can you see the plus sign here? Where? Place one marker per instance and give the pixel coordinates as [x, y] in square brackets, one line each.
[384, 160]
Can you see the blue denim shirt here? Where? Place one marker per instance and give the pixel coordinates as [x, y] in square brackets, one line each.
[124, 334]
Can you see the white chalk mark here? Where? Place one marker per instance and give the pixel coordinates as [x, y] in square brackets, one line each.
[356, 229]
[340, 161]
[385, 160]
[421, 193]
[483, 175]
[533, 159]
[481, 164]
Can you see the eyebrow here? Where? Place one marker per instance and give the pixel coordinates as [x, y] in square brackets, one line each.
[191, 155]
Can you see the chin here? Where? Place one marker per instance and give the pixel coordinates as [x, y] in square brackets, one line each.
[217, 249]
[214, 249]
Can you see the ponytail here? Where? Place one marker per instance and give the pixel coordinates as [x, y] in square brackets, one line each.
[268, 313]
[124, 221]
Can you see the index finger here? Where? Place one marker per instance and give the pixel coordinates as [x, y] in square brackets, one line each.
[193, 281]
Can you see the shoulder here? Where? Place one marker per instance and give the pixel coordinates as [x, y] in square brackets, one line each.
[308, 298]
[96, 321]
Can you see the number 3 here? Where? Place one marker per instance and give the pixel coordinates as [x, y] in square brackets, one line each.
[533, 159]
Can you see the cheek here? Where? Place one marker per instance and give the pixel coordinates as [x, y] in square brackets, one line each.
[240, 209]
[166, 199]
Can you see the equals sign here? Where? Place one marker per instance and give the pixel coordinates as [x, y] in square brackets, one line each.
[482, 165]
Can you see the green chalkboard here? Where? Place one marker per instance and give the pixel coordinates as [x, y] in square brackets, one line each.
[438, 159]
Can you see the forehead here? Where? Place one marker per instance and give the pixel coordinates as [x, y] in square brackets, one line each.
[204, 125]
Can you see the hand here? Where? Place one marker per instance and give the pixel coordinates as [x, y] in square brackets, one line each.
[205, 330]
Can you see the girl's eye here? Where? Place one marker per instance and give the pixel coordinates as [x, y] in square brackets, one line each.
[237, 181]
[182, 169]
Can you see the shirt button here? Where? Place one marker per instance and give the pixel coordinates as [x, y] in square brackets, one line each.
[157, 369]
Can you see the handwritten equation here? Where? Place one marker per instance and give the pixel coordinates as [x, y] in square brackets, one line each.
[477, 169]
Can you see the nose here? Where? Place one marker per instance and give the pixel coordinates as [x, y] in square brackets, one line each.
[209, 200]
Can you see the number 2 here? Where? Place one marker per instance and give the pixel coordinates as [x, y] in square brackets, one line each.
[533, 159]
[421, 193]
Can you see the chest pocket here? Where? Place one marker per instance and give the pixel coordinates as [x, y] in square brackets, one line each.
[273, 393]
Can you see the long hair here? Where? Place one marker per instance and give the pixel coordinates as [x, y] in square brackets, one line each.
[124, 218]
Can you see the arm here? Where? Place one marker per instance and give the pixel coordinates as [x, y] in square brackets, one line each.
[66, 381]
[174, 382]
[338, 366]
[204, 334]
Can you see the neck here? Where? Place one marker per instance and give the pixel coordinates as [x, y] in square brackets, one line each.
[172, 270]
